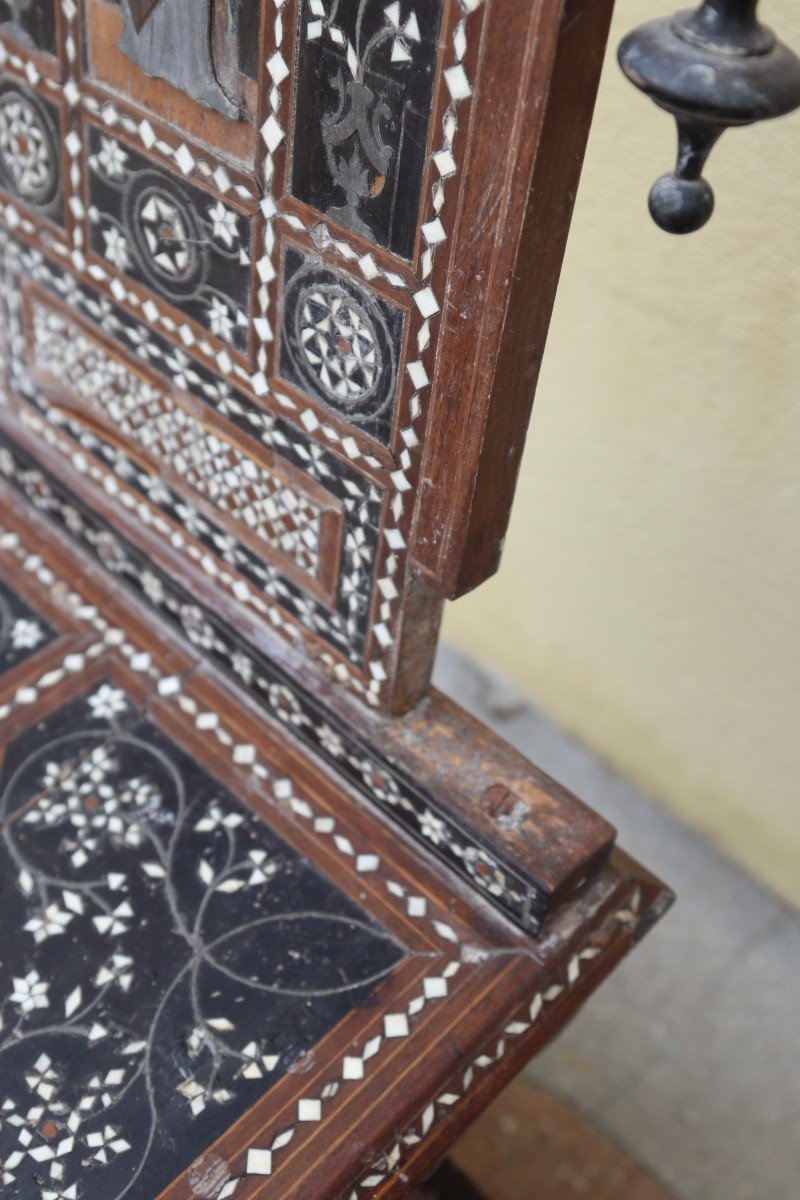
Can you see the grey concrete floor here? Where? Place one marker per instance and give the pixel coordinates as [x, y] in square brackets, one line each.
[688, 1058]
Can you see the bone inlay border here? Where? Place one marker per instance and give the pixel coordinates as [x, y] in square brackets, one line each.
[443, 1104]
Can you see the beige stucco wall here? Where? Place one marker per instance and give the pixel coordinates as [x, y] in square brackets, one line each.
[649, 598]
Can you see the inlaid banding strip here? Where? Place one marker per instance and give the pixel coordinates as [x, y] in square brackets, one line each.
[266, 505]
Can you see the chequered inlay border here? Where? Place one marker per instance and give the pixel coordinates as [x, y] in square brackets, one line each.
[440, 1107]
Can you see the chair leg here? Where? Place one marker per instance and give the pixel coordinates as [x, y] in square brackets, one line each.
[446, 1183]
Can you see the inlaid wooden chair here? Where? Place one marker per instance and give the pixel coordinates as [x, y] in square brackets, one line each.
[276, 918]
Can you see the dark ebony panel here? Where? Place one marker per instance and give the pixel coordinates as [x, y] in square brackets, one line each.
[247, 15]
[22, 631]
[364, 84]
[340, 343]
[165, 958]
[31, 22]
[189, 247]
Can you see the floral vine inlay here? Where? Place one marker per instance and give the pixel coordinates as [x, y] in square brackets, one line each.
[164, 957]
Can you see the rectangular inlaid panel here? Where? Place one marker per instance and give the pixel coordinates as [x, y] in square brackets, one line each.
[287, 513]
[190, 247]
[339, 344]
[31, 132]
[193, 62]
[334, 603]
[365, 78]
[30, 23]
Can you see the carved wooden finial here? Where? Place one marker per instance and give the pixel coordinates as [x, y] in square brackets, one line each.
[712, 68]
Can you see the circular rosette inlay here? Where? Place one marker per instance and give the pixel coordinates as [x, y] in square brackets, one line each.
[165, 235]
[339, 344]
[28, 154]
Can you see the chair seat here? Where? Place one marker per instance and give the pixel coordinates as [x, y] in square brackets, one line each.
[223, 971]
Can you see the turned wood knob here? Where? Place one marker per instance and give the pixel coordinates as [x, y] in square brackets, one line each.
[711, 67]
